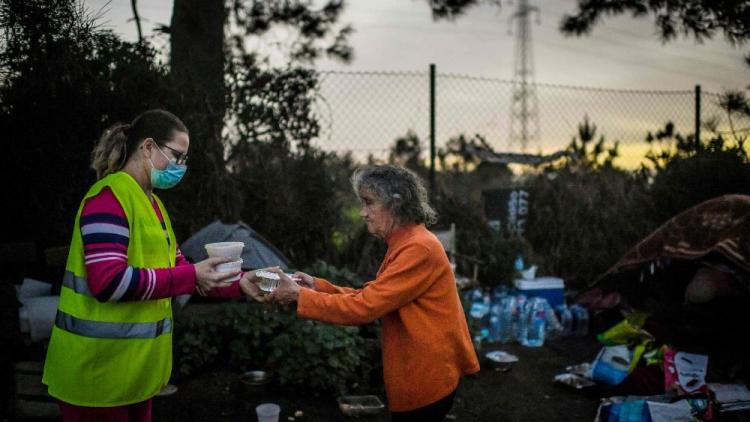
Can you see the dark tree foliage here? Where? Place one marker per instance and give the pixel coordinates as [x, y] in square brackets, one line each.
[246, 69]
[583, 219]
[288, 187]
[406, 151]
[315, 29]
[701, 19]
[451, 9]
[687, 173]
[587, 153]
[62, 82]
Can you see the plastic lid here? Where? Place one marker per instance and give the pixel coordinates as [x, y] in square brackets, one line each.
[540, 283]
[267, 274]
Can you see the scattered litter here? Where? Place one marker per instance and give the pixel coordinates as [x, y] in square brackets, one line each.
[612, 365]
[670, 412]
[502, 361]
[582, 369]
[168, 390]
[726, 393]
[731, 397]
[501, 356]
[685, 373]
[574, 380]
[360, 405]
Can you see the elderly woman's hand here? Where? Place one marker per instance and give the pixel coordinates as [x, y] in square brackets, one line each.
[287, 291]
[304, 280]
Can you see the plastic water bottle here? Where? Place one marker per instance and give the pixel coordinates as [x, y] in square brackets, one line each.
[519, 322]
[566, 320]
[536, 323]
[495, 327]
[553, 324]
[477, 343]
[474, 294]
[480, 313]
[480, 307]
[508, 309]
[581, 320]
[518, 264]
[486, 306]
[477, 310]
[498, 293]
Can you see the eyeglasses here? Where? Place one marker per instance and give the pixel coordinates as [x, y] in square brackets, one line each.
[179, 157]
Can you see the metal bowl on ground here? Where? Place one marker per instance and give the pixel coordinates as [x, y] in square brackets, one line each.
[360, 405]
[500, 360]
[255, 381]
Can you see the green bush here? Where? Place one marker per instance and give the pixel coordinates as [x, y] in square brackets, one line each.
[476, 239]
[583, 220]
[64, 80]
[291, 197]
[305, 356]
[687, 174]
[339, 276]
[197, 343]
[312, 356]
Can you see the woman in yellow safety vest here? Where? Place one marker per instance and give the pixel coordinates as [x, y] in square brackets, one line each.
[111, 346]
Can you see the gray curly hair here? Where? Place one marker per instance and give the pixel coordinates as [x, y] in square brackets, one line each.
[399, 189]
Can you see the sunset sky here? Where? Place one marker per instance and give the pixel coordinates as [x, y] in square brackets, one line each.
[400, 35]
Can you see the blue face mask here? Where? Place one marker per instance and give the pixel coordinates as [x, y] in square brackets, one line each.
[169, 177]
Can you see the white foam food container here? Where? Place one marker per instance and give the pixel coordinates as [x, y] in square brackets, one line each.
[220, 249]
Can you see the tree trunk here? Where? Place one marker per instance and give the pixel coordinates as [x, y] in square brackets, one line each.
[197, 67]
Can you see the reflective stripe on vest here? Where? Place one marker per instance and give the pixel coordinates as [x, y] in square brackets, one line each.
[99, 329]
[77, 284]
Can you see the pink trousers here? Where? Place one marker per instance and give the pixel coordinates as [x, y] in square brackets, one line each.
[137, 412]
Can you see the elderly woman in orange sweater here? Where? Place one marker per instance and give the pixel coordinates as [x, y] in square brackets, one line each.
[425, 339]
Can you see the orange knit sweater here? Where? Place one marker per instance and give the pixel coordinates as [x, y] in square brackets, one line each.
[425, 339]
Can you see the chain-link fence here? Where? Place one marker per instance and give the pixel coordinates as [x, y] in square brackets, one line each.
[365, 112]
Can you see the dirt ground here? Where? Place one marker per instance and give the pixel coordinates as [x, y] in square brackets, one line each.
[525, 393]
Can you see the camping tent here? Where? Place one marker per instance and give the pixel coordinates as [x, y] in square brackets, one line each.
[692, 275]
[258, 252]
[719, 226]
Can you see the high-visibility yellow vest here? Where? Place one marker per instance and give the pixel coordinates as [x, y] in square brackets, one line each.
[104, 354]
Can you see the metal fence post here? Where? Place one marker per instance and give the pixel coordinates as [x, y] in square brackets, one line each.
[697, 117]
[432, 129]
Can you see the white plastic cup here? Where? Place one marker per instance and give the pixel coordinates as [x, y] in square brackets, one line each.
[268, 412]
[228, 267]
[225, 249]
[268, 281]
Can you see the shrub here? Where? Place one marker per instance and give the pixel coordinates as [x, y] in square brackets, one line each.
[305, 356]
[197, 343]
[340, 276]
[63, 82]
[317, 357]
[583, 220]
[291, 197]
[688, 181]
[476, 239]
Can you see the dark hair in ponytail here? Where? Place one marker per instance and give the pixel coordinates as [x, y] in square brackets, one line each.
[118, 142]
